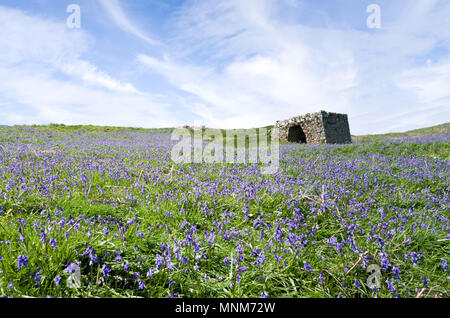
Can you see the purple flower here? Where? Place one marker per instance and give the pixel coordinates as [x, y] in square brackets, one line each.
[332, 241]
[321, 279]
[384, 261]
[357, 284]
[10, 286]
[339, 247]
[52, 243]
[391, 286]
[141, 284]
[22, 261]
[37, 276]
[260, 259]
[105, 270]
[92, 257]
[307, 267]
[415, 257]
[159, 261]
[425, 281]
[396, 272]
[444, 264]
[57, 280]
[264, 295]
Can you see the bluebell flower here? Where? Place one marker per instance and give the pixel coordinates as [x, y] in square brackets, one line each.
[391, 286]
[384, 260]
[52, 243]
[425, 281]
[105, 270]
[307, 267]
[57, 280]
[340, 246]
[37, 276]
[321, 279]
[159, 261]
[22, 261]
[444, 264]
[396, 272]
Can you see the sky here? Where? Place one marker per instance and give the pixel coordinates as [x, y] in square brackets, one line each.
[225, 64]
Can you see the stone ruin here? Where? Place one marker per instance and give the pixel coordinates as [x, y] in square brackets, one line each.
[316, 128]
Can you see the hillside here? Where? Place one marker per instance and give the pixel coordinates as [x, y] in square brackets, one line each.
[432, 130]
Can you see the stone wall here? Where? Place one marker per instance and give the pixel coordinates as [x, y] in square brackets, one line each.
[337, 130]
[315, 128]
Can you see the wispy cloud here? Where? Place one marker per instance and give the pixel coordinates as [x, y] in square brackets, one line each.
[120, 18]
[92, 75]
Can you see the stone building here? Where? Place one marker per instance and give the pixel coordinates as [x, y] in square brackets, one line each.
[316, 128]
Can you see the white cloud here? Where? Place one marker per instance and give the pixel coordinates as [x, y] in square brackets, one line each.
[28, 41]
[45, 79]
[259, 68]
[270, 72]
[430, 83]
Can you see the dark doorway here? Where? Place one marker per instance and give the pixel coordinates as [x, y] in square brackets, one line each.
[296, 134]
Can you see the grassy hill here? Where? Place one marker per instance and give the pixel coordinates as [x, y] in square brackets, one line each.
[433, 130]
[438, 129]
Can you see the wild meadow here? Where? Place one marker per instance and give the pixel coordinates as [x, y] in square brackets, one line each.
[112, 203]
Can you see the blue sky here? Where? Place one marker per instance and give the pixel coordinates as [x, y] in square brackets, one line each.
[228, 64]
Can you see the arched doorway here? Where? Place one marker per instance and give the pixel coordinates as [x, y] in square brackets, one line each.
[296, 134]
